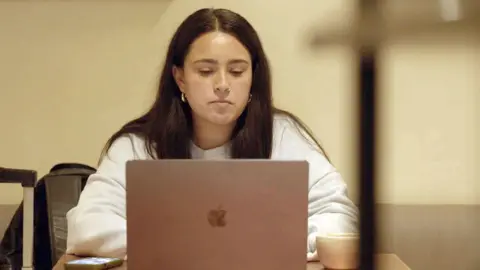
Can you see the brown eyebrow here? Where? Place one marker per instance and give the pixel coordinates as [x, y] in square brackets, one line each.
[206, 60]
[238, 61]
[213, 61]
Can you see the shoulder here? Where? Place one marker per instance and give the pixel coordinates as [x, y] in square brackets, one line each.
[281, 122]
[288, 133]
[293, 142]
[127, 147]
[113, 163]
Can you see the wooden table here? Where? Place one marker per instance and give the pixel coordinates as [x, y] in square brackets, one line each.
[440, 237]
[384, 262]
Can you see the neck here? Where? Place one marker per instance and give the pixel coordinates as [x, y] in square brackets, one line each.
[208, 136]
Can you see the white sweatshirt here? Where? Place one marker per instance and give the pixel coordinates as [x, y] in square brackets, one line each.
[97, 225]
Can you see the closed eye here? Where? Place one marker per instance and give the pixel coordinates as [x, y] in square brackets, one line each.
[205, 72]
[237, 73]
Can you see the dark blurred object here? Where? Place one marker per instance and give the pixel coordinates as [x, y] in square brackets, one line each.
[27, 178]
[391, 19]
[4, 262]
[367, 97]
[63, 185]
[378, 21]
[45, 230]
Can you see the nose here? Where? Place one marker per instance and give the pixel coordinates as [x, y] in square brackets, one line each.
[222, 87]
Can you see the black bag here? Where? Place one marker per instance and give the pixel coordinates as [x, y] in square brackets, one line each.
[44, 257]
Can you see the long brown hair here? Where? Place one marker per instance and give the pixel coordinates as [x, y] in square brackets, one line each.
[167, 126]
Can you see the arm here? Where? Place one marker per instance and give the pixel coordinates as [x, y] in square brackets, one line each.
[97, 225]
[329, 208]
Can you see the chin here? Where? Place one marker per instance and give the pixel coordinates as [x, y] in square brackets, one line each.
[222, 119]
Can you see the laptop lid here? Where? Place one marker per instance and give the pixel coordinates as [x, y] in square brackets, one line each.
[216, 215]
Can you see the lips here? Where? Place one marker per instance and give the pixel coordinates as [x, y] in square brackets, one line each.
[221, 102]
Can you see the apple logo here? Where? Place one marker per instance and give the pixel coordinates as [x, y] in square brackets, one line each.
[216, 217]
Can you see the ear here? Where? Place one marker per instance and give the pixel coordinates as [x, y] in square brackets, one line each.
[178, 75]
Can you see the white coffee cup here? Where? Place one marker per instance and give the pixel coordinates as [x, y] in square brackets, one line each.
[338, 251]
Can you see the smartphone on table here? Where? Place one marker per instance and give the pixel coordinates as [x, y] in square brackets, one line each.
[93, 263]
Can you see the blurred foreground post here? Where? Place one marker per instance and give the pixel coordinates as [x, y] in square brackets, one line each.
[367, 97]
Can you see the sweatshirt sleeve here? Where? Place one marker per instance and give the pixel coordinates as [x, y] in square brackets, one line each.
[97, 225]
[329, 208]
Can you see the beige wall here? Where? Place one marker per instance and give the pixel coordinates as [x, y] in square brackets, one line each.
[431, 124]
[70, 74]
[102, 70]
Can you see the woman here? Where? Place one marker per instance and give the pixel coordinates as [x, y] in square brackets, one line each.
[214, 101]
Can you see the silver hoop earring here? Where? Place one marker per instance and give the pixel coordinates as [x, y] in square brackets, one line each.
[249, 98]
[182, 97]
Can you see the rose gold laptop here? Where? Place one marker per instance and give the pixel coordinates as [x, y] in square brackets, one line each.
[217, 215]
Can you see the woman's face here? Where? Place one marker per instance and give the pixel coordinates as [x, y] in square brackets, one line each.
[216, 78]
